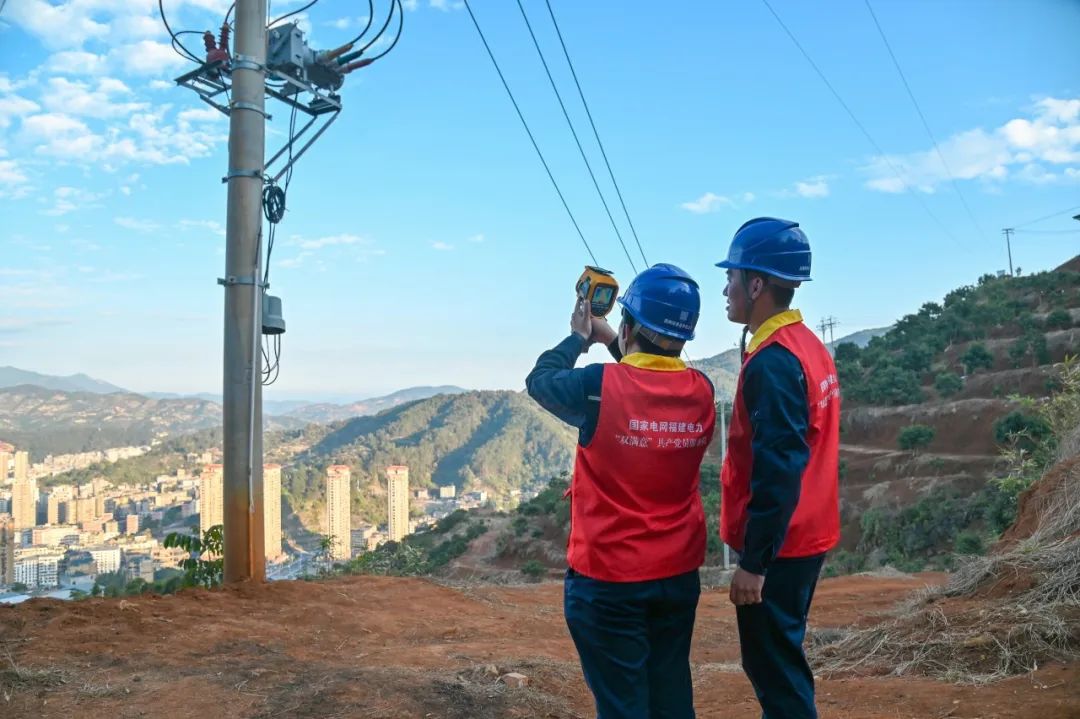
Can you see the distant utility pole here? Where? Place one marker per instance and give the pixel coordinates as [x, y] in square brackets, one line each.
[723, 458]
[828, 324]
[243, 447]
[1008, 232]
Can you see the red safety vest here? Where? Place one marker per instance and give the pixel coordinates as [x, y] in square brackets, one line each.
[815, 526]
[635, 509]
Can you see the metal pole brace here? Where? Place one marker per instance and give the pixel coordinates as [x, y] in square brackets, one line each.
[257, 174]
[234, 105]
[247, 62]
[233, 280]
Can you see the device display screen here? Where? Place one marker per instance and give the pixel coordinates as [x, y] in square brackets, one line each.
[603, 296]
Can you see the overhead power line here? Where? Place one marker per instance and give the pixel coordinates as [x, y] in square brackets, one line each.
[577, 140]
[596, 133]
[532, 139]
[925, 124]
[1050, 216]
[858, 124]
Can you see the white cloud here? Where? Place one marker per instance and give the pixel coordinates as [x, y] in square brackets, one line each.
[78, 99]
[59, 135]
[69, 199]
[14, 106]
[145, 136]
[813, 187]
[711, 202]
[477, 238]
[1019, 148]
[411, 4]
[137, 225]
[441, 246]
[332, 240]
[446, 5]
[10, 174]
[344, 23]
[77, 62]
[146, 57]
[291, 262]
[57, 26]
[161, 85]
[1035, 174]
[213, 226]
[201, 114]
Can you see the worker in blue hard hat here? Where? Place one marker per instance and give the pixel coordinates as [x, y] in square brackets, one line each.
[779, 506]
[637, 532]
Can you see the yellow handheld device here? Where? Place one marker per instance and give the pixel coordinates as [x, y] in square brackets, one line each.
[599, 287]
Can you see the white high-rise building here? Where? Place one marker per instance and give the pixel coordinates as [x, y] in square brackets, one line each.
[22, 466]
[339, 511]
[211, 497]
[272, 510]
[397, 499]
[24, 503]
[7, 550]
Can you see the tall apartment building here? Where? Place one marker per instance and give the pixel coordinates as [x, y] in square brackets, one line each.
[339, 511]
[397, 499]
[7, 549]
[23, 503]
[272, 510]
[211, 497]
[22, 466]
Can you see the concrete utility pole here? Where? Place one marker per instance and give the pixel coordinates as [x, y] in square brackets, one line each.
[723, 456]
[829, 323]
[243, 507]
[1008, 232]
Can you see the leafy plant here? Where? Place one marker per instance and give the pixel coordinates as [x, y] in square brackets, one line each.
[205, 564]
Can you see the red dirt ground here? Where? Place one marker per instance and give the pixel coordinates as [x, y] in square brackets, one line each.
[383, 648]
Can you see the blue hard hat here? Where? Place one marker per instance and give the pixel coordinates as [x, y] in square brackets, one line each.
[664, 299]
[770, 246]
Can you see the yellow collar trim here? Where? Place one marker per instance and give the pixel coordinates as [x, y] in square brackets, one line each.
[788, 317]
[644, 360]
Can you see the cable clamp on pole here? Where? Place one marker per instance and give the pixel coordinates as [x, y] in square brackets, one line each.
[257, 174]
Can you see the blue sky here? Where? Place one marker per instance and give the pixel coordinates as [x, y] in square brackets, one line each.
[424, 243]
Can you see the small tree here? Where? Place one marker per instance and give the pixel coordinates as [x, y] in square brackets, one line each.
[204, 565]
[534, 570]
[969, 542]
[917, 358]
[915, 437]
[977, 357]
[948, 384]
[326, 552]
[846, 352]
[1059, 320]
[1023, 431]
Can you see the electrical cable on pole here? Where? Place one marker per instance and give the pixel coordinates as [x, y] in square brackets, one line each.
[925, 124]
[862, 128]
[577, 140]
[596, 133]
[532, 139]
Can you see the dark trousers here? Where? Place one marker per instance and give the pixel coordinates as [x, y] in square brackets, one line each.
[633, 639]
[771, 637]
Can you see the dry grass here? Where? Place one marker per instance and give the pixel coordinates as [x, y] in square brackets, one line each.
[1000, 615]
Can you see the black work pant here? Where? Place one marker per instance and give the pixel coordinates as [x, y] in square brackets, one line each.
[633, 639]
[771, 637]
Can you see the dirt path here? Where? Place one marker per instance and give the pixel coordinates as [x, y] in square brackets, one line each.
[384, 648]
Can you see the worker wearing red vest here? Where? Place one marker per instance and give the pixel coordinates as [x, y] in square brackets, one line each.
[637, 532]
[779, 483]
